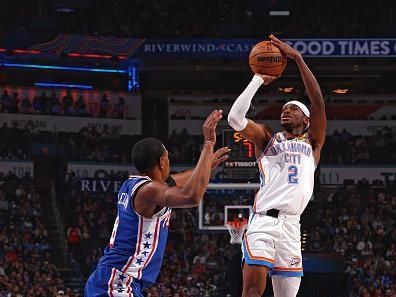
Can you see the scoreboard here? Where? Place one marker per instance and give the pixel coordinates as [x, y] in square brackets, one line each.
[241, 164]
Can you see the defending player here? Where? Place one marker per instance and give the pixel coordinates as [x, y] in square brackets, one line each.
[287, 161]
[132, 260]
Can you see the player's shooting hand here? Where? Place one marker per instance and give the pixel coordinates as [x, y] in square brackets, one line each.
[209, 127]
[220, 156]
[267, 79]
[289, 51]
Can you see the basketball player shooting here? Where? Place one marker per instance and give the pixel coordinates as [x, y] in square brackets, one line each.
[132, 260]
[287, 161]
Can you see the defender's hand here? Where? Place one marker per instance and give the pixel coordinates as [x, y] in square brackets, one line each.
[220, 156]
[209, 127]
[289, 51]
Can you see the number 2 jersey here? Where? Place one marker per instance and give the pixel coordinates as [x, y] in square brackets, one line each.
[137, 243]
[286, 169]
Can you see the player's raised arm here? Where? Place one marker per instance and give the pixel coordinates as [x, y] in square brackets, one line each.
[318, 121]
[160, 194]
[257, 133]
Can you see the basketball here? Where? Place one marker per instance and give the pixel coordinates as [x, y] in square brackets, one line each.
[266, 58]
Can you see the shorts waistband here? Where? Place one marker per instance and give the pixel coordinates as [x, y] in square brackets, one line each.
[288, 217]
[282, 215]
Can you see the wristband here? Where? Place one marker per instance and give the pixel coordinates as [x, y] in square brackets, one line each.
[208, 141]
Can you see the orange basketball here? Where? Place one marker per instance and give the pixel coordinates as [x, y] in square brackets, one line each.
[266, 58]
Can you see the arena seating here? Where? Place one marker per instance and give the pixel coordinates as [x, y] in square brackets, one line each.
[108, 146]
[207, 19]
[52, 232]
[356, 222]
[26, 257]
[51, 103]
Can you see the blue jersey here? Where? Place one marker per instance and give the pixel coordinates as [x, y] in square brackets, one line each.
[137, 243]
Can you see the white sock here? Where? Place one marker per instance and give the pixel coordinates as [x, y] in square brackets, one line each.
[285, 286]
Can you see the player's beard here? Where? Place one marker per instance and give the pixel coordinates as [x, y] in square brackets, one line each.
[291, 127]
[288, 127]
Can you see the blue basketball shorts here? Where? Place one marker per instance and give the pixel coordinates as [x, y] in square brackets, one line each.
[107, 281]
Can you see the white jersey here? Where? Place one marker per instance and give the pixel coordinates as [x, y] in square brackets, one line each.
[287, 169]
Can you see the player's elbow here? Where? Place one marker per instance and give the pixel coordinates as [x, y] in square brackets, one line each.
[236, 122]
[231, 119]
[194, 198]
[194, 202]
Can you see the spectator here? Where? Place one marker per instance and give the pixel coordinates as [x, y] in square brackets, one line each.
[81, 108]
[120, 108]
[26, 105]
[68, 104]
[73, 240]
[5, 101]
[53, 104]
[44, 103]
[14, 103]
[37, 104]
[104, 106]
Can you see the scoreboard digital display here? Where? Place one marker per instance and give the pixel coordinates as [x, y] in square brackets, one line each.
[242, 160]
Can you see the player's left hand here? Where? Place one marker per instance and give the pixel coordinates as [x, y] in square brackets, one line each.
[220, 156]
[289, 51]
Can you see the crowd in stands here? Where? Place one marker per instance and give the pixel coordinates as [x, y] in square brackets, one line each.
[183, 147]
[107, 145]
[104, 145]
[90, 220]
[358, 222]
[26, 266]
[340, 148]
[206, 18]
[51, 104]
[191, 270]
[344, 148]
[17, 146]
[354, 107]
[89, 144]
[209, 267]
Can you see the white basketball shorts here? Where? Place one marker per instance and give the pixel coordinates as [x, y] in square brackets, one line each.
[275, 243]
